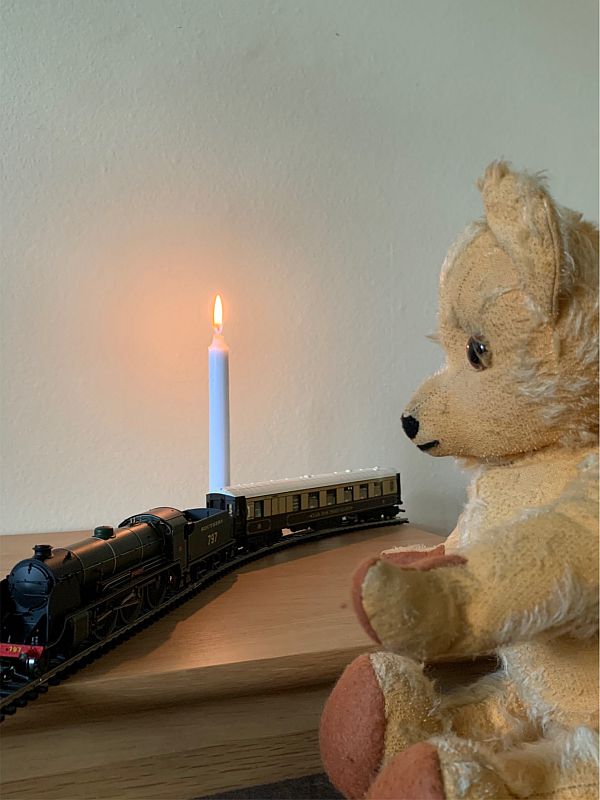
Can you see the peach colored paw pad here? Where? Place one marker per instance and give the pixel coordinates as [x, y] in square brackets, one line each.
[352, 731]
[435, 562]
[413, 774]
[404, 557]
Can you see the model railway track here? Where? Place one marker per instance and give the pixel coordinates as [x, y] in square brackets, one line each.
[17, 692]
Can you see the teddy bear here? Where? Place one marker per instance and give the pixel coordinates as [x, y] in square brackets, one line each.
[517, 402]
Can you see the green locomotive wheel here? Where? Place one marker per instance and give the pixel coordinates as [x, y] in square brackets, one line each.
[155, 592]
[131, 606]
[104, 623]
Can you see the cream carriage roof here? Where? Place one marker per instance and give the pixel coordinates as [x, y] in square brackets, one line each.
[307, 482]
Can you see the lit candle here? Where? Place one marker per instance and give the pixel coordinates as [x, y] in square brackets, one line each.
[218, 404]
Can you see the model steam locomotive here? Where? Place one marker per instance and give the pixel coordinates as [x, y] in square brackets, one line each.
[62, 598]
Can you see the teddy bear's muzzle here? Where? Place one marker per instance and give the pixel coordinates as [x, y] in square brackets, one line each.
[411, 428]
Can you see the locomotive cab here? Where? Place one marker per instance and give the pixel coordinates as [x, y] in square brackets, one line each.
[235, 507]
[222, 502]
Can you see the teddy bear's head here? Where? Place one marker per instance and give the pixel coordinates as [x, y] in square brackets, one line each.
[518, 320]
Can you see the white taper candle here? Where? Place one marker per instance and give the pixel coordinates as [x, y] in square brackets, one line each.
[218, 404]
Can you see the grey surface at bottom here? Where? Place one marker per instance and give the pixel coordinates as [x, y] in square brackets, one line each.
[309, 787]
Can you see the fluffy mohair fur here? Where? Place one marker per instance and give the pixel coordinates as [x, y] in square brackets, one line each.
[519, 573]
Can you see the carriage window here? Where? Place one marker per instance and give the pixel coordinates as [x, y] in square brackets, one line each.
[259, 507]
[376, 488]
[313, 499]
[364, 491]
[230, 509]
[348, 494]
[250, 510]
[331, 497]
[295, 502]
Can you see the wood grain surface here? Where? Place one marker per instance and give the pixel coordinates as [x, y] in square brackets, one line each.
[225, 691]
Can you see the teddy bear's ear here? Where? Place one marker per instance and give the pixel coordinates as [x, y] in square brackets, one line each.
[524, 219]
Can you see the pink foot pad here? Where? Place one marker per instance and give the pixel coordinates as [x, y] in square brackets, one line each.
[435, 562]
[352, 729]
[402, 558]
[413, 774]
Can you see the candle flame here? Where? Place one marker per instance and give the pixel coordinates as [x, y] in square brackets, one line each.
[218, 314]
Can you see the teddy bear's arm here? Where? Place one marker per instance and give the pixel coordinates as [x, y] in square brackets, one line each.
[539, 574]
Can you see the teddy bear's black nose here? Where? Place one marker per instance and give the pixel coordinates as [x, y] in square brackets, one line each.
[410, 425]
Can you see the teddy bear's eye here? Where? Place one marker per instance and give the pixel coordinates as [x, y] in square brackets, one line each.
[477, 353]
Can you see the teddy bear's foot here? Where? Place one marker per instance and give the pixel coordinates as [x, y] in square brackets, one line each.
[414, 773]
[444, 768]
[381, 704]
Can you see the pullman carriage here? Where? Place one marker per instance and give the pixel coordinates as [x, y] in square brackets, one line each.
[264, 510]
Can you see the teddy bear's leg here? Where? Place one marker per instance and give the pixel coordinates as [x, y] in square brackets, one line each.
[382, 703]
[490, 711]
[561, 766]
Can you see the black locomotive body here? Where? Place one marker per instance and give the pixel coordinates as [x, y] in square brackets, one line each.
[62, 598]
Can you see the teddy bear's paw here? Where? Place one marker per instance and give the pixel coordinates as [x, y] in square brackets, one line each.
[414, 773]
[381, 704]
[407, 606]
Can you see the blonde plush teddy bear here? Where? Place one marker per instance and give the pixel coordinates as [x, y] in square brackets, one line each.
[517, 399]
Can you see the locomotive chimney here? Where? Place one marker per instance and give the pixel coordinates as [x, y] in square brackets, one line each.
[42, 551]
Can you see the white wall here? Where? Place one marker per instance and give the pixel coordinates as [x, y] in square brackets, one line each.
[310, 160]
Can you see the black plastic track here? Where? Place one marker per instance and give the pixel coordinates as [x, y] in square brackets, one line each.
[18, 693]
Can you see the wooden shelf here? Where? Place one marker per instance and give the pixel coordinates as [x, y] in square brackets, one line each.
[225, 691]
